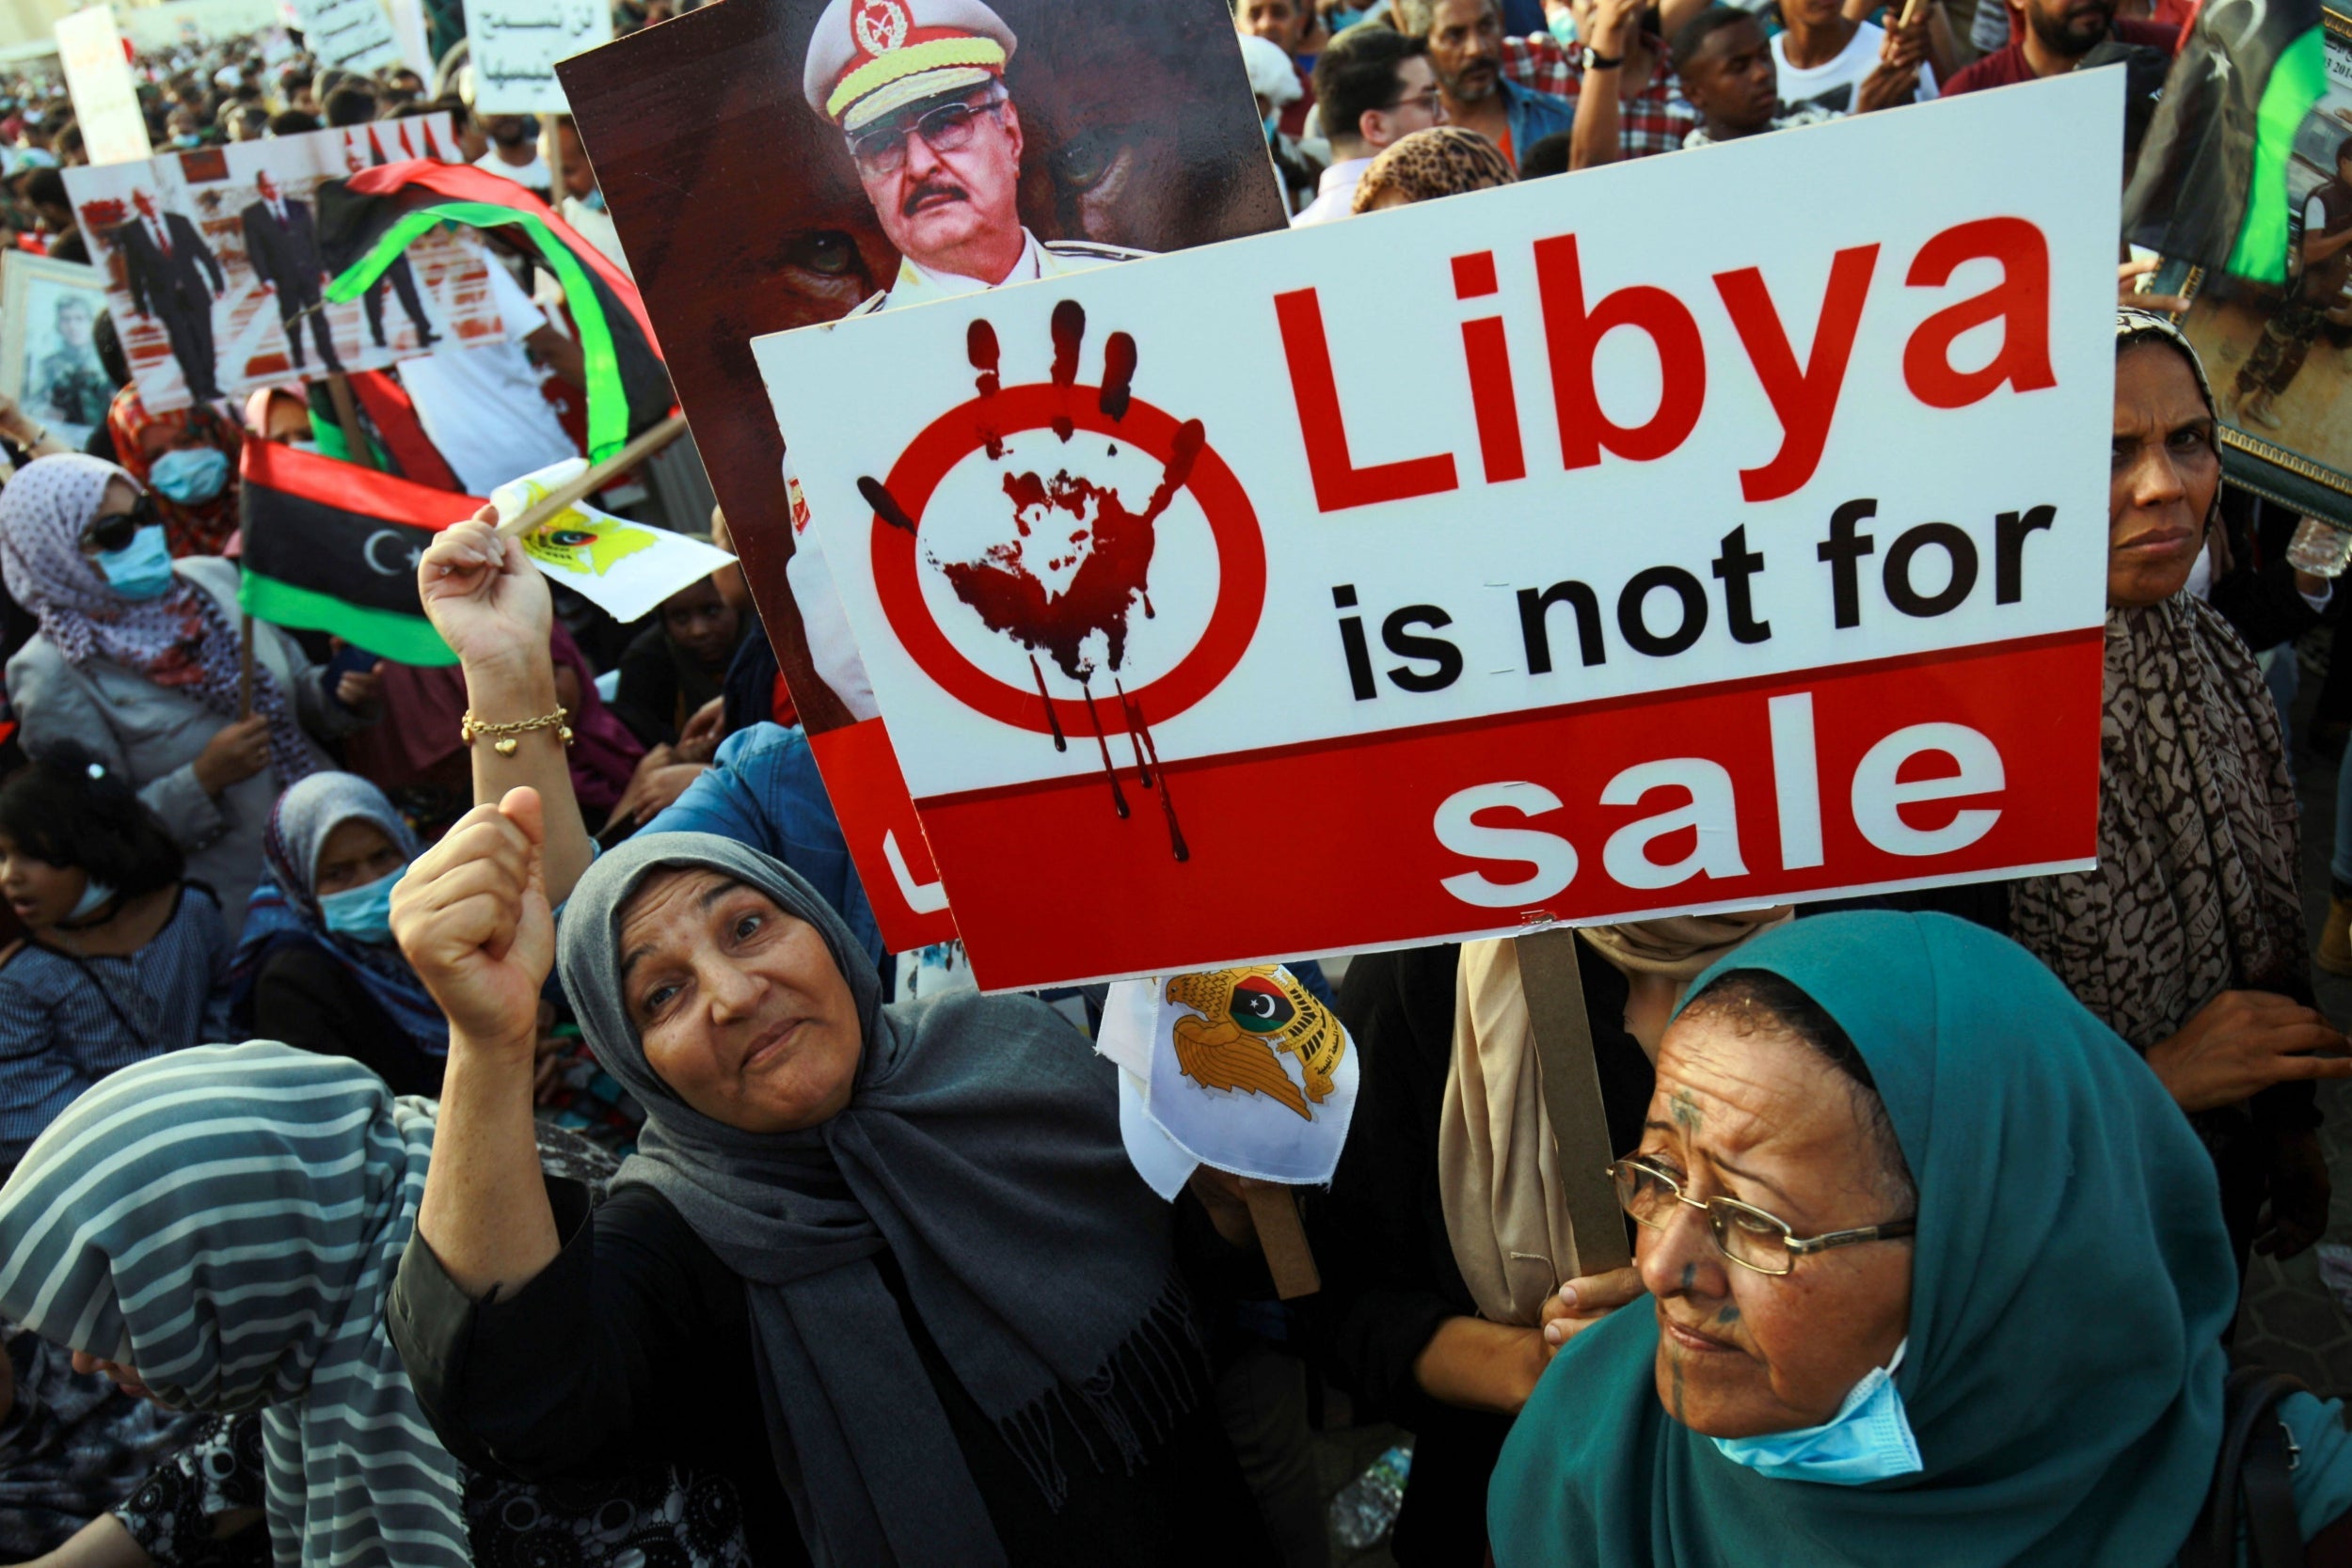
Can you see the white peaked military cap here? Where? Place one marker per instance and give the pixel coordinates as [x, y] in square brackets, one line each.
[869, 58]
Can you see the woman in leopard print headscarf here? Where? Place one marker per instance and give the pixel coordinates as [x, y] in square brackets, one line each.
[1445, 160]
[2188, 939]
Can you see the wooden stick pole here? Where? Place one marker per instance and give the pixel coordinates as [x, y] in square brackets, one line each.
[1283, 1239]
[347, 415]
[245, 667]
[597, 476]
[1572, 1086]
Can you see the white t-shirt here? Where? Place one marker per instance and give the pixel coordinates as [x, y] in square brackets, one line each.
[482, 405]
[1335, 192]
[1833, 85]
[536, 173]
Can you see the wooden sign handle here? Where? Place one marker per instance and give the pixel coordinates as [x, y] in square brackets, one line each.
[1282, 1237]
[1580, 1128]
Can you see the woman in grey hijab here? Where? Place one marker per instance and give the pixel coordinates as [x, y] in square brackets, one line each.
[943, 1310]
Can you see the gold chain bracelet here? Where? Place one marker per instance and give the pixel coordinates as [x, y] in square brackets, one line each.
[503, 741]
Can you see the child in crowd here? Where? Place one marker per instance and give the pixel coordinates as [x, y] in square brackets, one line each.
[125, 960]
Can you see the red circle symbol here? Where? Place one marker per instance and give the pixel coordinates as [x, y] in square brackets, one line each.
[968, 428]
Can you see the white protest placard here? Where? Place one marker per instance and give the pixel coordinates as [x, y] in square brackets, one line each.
[515, 44]
[352, 35]
[1710, 531]
[625, 568]
[105, 98]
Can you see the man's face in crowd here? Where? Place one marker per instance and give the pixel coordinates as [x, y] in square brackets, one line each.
[1276, 20]
[510, 130]
[579, 178]
[2070, 27]
[2344, 167]
[935, 201]
[1732, 80]
[1466, 47]
[1811, 13]
[1416, 106]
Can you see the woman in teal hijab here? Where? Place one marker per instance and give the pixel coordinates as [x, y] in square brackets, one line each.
[1995, 1336]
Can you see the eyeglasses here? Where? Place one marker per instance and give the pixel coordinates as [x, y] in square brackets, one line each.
[1747, 1236]
[946, 129]
[1428, 99]
[104, 535]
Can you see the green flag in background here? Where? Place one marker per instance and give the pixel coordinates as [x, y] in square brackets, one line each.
[2212, 182]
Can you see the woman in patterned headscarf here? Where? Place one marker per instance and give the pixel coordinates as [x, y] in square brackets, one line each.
[187, 458]
[137, 660]
[2188, 940]
[1444, 160]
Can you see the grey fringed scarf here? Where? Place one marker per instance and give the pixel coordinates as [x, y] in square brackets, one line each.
[980, 1150]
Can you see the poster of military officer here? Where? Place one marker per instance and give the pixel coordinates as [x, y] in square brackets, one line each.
[216, 273]
[2280, 360]
[48, 355]
[872, 154]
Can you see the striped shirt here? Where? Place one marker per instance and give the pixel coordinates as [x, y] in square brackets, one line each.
[65, 1021]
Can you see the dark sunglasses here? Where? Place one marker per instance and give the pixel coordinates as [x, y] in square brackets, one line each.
[111, 533]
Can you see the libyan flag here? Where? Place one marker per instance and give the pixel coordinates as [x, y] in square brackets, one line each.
[332, 546]
[378, 212]
[2211, 185]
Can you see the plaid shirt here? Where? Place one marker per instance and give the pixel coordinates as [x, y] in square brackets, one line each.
[1657, 120]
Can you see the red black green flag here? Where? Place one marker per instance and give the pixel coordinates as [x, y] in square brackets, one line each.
[332, 546]
[2212, 182]
[377, 213]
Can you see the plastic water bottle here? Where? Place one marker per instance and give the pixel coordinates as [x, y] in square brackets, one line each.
[1366, 1507]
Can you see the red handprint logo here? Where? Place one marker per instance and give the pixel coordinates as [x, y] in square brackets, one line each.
[1076, 564]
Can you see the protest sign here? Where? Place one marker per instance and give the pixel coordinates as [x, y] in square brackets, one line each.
[517, 43]
[105, 98]
[743, 213]
[351, 35]
[625, 568]
[1499, 561]
[217, 266]
[48, 358]
[2275, 351]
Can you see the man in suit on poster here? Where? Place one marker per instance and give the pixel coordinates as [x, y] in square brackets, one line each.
[174, 277]
[282, 244]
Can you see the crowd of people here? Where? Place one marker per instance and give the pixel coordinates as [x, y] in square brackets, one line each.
[468, 1114]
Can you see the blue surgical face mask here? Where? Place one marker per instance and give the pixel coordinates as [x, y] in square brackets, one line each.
[1342, 20]
[593, 201]
[1273, 124]
[1562, 26]
[362, 913]
[94, 896]
[1869, 1439]
[142, 568]
[186, 139]
[190, 475]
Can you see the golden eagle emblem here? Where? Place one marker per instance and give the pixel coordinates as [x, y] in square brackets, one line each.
[1245, 1017]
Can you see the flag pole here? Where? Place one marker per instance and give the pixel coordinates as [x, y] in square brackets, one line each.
[597, 476]
[347, 415]
[245, 667]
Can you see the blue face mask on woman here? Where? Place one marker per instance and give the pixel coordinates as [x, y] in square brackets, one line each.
[142, 568]
[362, 913]
[1869, 1439]
[190, 475]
